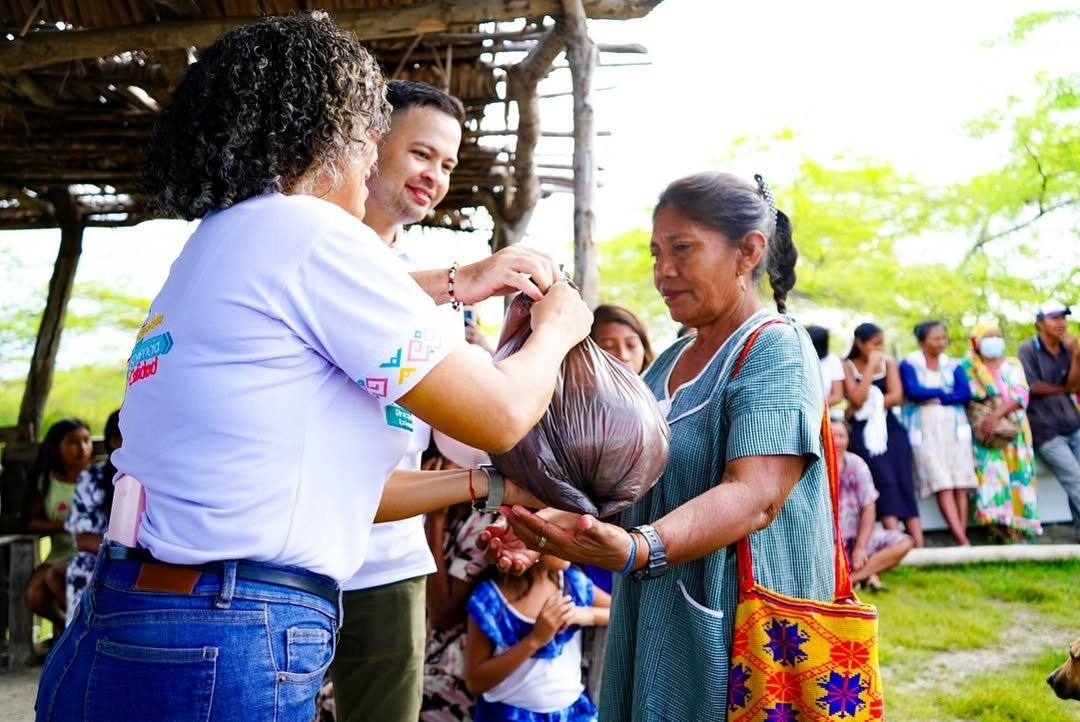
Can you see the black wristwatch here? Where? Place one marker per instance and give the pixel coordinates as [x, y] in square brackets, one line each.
[496, 490]
[657, 563]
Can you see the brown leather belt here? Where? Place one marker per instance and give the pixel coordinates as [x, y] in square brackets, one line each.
[156, 575]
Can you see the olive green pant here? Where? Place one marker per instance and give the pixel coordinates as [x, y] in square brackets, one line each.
[378, 670]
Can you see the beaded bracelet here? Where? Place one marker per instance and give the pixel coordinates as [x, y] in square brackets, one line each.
[454, 303]
[633, 556]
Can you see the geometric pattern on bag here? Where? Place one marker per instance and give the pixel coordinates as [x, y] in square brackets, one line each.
[802, 660]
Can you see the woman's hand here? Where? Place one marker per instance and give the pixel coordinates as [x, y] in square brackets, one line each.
[503, 549]
[512, 269]
[564, 309]
[858, 558]
[554, 617]
[590, 541]
[986, 426]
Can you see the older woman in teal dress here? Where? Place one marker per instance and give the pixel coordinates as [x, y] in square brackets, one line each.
[746, 459]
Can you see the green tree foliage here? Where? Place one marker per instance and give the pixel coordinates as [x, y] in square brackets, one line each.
[625, 272]
[93, 307]
[90, 393]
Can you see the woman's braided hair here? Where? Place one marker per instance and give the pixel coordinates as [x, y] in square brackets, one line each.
[268, 107]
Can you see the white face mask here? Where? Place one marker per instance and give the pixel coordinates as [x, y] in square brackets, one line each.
[992, 346]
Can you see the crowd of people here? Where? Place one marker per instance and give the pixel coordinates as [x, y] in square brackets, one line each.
[308, 545]
[965, 430]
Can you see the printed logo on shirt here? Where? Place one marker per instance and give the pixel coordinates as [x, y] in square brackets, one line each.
[423, 345]
[143, 362]
[406, 360]
[149, 325]
[399, 417]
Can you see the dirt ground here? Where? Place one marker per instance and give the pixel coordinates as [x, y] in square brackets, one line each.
[17, 691]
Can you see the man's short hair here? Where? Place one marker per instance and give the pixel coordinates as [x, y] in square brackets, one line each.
[405, 94]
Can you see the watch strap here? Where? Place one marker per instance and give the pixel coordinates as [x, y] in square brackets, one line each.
[656, 564]
[496, 490]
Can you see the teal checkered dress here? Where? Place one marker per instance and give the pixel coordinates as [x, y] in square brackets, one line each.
[668, 645]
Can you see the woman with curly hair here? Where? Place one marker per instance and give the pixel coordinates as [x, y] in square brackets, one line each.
[271, 391]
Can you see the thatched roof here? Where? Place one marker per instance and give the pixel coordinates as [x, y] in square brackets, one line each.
[82, 82]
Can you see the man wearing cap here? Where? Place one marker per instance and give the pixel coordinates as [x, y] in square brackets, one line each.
[1052, 364]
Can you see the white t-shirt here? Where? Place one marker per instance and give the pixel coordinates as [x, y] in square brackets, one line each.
[259, 413]
[831, 370]
[541, 685]
[397, 550]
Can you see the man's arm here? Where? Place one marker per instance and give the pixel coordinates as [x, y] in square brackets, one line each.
[508, 271]
[1072, 381]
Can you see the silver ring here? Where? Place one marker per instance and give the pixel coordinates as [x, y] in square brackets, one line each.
[540, 544]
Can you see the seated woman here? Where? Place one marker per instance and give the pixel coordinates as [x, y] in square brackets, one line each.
[63, 463]
[89, 518]
[935, 391]
[870, 550]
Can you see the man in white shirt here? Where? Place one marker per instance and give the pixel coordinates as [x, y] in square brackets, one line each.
[378, 668]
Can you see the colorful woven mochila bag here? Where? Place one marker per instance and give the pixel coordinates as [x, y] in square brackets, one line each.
[801, 660]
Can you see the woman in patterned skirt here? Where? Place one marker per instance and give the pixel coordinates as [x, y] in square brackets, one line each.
[1006, 499]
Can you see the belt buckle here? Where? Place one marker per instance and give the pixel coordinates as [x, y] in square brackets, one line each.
[156, 577]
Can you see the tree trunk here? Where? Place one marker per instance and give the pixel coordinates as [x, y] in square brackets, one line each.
[39, 380]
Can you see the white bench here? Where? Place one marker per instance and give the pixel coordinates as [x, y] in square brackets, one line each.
[1053, 503]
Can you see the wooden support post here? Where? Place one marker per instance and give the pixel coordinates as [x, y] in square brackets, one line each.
[581, 54]
[513, 207]
[39, 380]
[18, 557]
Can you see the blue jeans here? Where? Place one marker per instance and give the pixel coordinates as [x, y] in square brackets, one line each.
[232, 649]
[1062, 454]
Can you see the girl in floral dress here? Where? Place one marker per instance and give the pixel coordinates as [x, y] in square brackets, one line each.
[524, 645]
[1006, 497]
[452, 535]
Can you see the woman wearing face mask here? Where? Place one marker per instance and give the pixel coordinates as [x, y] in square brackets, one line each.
[1005, 499]
[935, 391]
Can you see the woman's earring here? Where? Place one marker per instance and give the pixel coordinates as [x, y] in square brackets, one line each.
[742, 283]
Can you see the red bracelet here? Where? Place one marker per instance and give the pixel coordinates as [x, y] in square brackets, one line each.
[472, 492]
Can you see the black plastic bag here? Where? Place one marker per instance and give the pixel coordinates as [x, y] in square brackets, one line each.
[603, 441]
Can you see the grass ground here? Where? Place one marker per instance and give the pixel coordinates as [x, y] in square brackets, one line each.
[975, 643]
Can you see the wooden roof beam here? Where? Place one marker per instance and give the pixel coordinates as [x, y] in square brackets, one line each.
[43, 48]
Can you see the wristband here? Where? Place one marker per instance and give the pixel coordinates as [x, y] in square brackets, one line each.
[496, 490]
[451, 277]
[633, 556]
